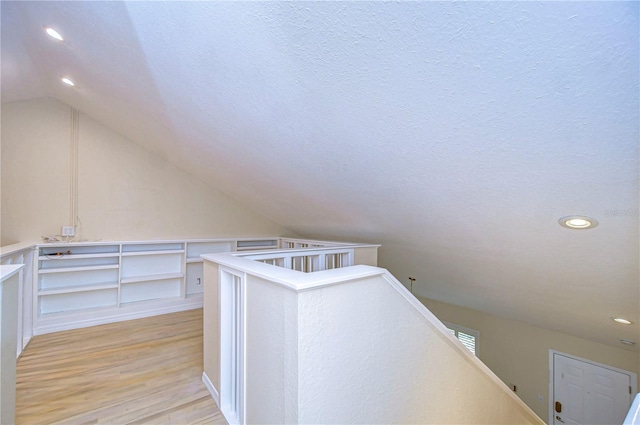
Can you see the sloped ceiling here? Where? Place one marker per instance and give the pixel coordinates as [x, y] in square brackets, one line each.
[454, 134]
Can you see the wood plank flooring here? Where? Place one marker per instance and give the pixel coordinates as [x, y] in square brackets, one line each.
[146, 371]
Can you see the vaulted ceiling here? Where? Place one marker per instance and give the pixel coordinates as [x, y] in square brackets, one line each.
[454, 134]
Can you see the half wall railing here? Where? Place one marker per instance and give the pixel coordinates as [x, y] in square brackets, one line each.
[324, 338]
[307, 260]
[22, 254]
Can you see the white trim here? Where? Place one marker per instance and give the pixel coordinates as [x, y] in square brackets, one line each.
[212, 390]
[93, 317]
[8, 250]
[633, 377]
[8, 270]
[232, 298]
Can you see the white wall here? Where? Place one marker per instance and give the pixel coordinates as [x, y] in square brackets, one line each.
[368, 356]
[35, 170]
[519, 353]
[125, 192]
[272, 353]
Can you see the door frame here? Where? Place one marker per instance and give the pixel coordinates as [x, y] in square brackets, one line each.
[633, 378]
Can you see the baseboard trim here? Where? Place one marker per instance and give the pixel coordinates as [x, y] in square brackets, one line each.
[211, 388]
[104, 316]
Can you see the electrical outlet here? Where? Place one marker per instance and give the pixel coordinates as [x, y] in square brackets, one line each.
[68, 231]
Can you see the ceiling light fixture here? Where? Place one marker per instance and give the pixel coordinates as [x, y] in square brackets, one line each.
[578, 222]
[621, 320]
[627, 342]
[68, 82]
[54, 34]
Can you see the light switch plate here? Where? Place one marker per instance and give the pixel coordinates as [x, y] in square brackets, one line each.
[68, 231]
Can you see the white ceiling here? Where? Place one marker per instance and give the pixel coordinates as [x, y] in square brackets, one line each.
[455, 134]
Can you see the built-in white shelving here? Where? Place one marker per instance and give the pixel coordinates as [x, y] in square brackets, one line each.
[78, 269]
[151, 277]
[88, 283]
[77, 256]
[245, 245]
[76, 277]
[70, 289]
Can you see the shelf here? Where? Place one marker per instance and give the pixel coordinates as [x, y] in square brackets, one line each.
[256, 244]
[256, 247]
[78, 269]
[70, 289]
[151, 301]
[80, 312]
[152, 247]
[194, 260]
[147, 290]
[78, 249]
[139, 253]
[196, 249]
[66, 302]
[54, 257]
[151, 277]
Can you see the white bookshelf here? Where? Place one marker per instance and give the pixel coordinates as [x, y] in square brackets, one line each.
[151, 271]
[90, 283]
[76, 278]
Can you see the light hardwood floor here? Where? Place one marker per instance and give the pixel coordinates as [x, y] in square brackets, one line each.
[146, 371]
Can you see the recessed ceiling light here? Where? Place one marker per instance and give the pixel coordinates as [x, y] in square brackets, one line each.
[54, 34]
[627, 342]
[578, 222]
[68, 82]
[621, 320]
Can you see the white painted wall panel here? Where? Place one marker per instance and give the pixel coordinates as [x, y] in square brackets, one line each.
[367, 356]
[272, 345]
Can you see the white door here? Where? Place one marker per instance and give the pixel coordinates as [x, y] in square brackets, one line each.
[586, 393]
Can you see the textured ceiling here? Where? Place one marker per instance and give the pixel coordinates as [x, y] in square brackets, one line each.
[455, 134]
